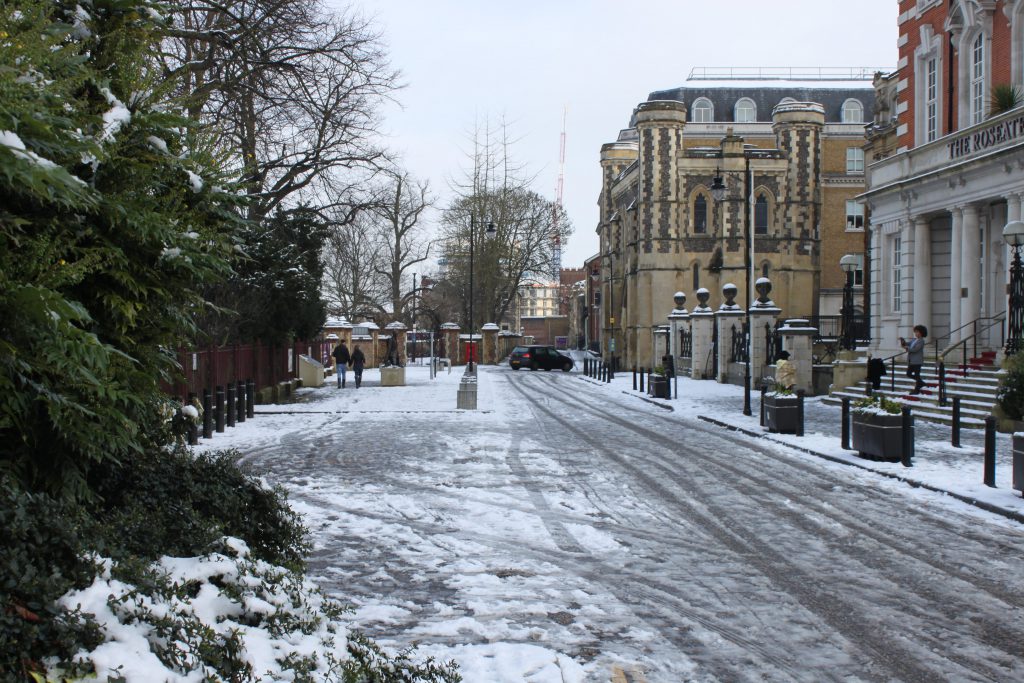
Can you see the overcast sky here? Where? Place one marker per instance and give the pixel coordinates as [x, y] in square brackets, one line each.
[526, 60]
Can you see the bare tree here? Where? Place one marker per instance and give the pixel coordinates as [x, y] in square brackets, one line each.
[397, 214]
[353, 284]
[495, 191]
[292, 88]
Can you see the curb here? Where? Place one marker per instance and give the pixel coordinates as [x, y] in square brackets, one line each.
[988, 507]
[630, 393]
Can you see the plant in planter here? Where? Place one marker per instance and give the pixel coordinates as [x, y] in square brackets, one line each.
[658, 387]
[878, 428]
[781, 408]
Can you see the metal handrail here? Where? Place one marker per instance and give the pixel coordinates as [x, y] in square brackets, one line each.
[940, 358]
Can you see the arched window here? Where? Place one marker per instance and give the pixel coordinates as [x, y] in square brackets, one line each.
[978, 79]
[700, 215]
[703, 111]
[761, 215]
[696, 276]
[745, 111]
[853, 111]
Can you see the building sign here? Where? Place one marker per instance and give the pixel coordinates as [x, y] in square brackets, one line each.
[986, 138]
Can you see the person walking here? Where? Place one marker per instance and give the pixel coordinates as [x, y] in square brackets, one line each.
[915, 356]
[341, 361]
[358, 361]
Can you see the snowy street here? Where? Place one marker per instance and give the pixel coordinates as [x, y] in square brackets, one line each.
[567, 531]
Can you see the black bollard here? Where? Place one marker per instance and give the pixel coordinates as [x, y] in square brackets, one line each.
[250, 392]
[908, 437]
[218, 409]
[586, 367]
[241, 402]
[942, 383]
[845, 431]
[642, 371]
[611, 371]
[207, 414]
[956, 422]
[193, 428]
[764, 390]
[229, 409]
[634, 378]
[990, 451]
[799, 412]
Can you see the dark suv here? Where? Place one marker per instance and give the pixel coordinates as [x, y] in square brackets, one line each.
[538, 357]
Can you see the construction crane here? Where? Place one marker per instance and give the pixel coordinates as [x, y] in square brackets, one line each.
[556, 238]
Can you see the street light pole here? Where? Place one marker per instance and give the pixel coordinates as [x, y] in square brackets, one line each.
[414, 340]
[1013, 234]
[488, 232]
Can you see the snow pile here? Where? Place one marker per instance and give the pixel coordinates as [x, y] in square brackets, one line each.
[274, 621]
[116, 117]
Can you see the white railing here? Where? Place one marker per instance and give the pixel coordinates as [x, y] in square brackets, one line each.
[784, 73]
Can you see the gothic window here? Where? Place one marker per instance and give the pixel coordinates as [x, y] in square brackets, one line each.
[761, 215]
[696, 276]
[853, 111]
[764, 269]
[700, 215]
[703, 111]
[745, 111]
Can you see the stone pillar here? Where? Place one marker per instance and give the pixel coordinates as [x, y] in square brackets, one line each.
[763, 314]
[489, 344]
[702, 325]
[678, 320]
[398, 332]
[729, 315]
[970, 267]
[798, 339]
[956, 235]
[922, 272]
[450, 331]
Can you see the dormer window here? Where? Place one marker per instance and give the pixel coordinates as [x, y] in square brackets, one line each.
[703, 111]
[745, 111]
[853, 111]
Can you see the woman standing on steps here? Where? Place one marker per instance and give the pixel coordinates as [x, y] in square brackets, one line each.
[915, 355]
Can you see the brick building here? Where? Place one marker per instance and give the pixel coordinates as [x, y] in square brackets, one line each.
[938, 205]
[790, 153]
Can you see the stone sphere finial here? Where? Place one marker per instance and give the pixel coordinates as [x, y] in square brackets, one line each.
[680, 299]
[729, 291]
[702, 296]
[764, 288]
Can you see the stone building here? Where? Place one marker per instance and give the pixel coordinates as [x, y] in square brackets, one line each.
[790, 154]
[938, 205]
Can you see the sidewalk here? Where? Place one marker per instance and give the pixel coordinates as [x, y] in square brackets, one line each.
[936, 466]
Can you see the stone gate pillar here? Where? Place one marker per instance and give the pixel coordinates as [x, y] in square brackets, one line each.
[798, 339]
[451, 342]
[678, 320]
[763, 315]
[398, 332]
[489, 344]
[729, 316]
[702, 325]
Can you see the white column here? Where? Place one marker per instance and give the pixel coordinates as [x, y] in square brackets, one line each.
[922, 272]
[908, 296]
[954, 272]
[1012, 207]
[970, 267]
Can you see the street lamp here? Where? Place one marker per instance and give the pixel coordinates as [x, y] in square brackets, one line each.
[1013, 235]
[489, 232]
[849, 264]
[718, 192]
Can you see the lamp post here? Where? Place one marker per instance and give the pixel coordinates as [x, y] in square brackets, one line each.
[489, 232]
[718, 192]
[847, 339]
[1013, 234]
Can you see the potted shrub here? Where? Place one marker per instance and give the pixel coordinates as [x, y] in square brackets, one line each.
[877, 428]
[658, 387]
[781, 408]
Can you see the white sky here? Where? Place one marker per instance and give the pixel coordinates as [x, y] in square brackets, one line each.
[528, 59]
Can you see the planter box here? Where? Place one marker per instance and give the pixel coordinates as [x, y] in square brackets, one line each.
[878, 437]
[1018, 462]
[782, 414]
[658, 387]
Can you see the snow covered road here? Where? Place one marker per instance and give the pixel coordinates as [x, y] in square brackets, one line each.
[565, 534]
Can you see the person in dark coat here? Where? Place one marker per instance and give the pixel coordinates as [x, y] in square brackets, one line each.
[915, 356]
[358, 361]
[341, 361]
[876, 368]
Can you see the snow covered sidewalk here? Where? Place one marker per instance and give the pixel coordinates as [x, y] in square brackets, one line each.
[937, 464]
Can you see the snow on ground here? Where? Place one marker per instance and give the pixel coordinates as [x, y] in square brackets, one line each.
[470, 496]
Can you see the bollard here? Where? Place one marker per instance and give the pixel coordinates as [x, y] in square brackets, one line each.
[764, 390]
[611, 371]
[250, 392]
[586, 367]
[908, 437]
[218, 409]
[956, 422]
[990, 452]
[193, 428]
[634, 378]
[641, 379]
[229, 409]
[241, 402]
[207, 414]
[942, 383]
[845, 431]
[800, 412]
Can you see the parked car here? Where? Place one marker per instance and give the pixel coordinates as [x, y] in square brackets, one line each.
[539, 357]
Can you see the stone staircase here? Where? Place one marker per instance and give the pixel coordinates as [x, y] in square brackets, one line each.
[975, 383]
